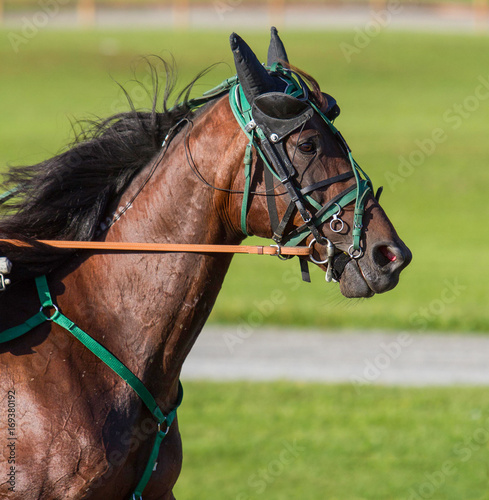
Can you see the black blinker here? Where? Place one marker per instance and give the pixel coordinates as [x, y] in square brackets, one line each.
[280, 114]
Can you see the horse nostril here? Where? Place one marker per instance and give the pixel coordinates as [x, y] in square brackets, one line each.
[384, 250]
[387, 255]
[391, 256]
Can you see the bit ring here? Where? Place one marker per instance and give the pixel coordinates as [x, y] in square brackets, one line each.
[313, 259]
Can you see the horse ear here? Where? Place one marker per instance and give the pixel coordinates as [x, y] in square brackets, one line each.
[254, 78]
[276, 50]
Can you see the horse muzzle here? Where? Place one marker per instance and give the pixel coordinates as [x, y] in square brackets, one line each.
[377, 271]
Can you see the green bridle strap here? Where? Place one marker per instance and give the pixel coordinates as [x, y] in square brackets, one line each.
[364, 185]
[241, 115]
[246, 193]
[110, 360]
[242, 112]
[304, 232]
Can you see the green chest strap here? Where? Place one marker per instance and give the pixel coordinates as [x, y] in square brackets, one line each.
[163, 421]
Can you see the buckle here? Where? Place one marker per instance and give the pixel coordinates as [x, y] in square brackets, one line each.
[279, 253]
[5, 265]
[251, 125]
[5, 268]
[4, 282]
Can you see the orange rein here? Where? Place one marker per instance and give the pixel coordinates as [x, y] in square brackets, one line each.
[167, 247]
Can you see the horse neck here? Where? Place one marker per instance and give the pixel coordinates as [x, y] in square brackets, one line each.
[157, 304]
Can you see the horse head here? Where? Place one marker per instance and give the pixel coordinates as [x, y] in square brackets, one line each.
[315, 191]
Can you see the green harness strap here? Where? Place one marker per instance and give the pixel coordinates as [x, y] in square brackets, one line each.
[164, 422]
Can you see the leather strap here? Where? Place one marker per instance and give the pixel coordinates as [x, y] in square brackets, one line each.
[327, 182]
[279, 231]
[271, 204]
[165, 247]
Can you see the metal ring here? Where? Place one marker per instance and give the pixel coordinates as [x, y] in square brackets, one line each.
[312, 258]
[166, 430]
[333, 224]
[279, 253]
[352, 252]
[49, 318]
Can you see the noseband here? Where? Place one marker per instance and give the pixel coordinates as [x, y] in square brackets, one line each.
[268, 122]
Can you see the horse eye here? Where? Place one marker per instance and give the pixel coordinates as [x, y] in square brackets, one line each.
[307, 147]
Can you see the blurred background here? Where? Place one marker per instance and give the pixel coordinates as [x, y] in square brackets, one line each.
[412, 80]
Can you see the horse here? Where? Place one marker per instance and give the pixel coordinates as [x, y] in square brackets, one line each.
[258, 155]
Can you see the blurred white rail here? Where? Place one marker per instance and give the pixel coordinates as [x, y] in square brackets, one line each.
[226, 353]
[367, 19]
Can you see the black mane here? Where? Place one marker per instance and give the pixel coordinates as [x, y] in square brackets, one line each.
[66, 197]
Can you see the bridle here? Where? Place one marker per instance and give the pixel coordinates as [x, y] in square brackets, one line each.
[268, 122]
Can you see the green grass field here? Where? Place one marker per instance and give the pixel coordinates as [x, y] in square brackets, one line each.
[414, 110]
[292, 441]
